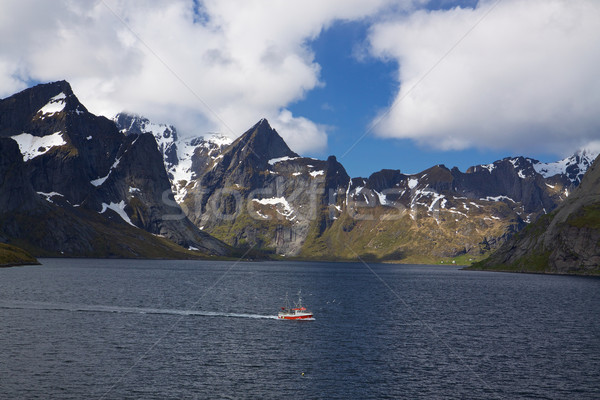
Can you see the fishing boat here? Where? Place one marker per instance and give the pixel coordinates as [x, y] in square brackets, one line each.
[296, 312]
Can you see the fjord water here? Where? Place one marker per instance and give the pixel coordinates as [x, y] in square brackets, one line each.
[124, 329]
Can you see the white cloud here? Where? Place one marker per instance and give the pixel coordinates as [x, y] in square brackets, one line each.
[526, 78]
[220, 67]
[592, 147]
[299, 133]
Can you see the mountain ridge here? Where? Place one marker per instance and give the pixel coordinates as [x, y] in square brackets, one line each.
[511, 190]
[132, 174]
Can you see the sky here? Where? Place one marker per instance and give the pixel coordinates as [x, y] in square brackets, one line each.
[398, 84]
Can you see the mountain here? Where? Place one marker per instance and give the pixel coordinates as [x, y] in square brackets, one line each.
[572, 168]
[182, 158]
[564, 241]
[256, 191]
[253, 191]
[73, 184]
[440, 213]
[77, 184]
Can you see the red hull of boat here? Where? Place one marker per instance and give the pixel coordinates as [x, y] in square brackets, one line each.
[297, 317]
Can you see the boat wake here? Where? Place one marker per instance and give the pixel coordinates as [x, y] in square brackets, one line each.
[125, 310]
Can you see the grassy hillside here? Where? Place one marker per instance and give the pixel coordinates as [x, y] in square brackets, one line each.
[380, 234]
[84, 233]
[12, 255]
[383, 236]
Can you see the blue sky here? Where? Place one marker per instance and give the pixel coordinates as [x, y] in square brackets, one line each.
[448, 82]
[355, 90]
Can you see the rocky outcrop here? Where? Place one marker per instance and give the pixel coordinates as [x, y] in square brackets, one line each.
[565, 241]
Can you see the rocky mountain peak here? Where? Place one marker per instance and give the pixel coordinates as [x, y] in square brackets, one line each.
[486, 204]
[261, 143]
[165, 135]
[572, 167]
[133, 124]
[37, 109]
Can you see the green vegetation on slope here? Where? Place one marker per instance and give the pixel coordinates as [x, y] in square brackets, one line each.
[385, 235]
[84, 233]
[243, 231]
[587, 217]
[12, 255]
[535, 261]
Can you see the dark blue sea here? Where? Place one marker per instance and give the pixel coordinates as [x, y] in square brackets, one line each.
[124, 329]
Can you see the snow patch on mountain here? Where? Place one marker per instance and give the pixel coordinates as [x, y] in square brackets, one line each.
[428, 198]
[218, 140]
[489, 167]
[34, 146]
[274, 161]
[382, 199]
[574, 167]
[100, 181]
[286, 211]
[357, 190]
[55, 105]
[180, 170]
[436, 197]
[517, 164]
[497, 198]
[164, 135]
[548, 170]
[119, 208]
[49, 196]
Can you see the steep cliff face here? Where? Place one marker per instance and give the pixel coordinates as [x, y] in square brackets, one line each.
[16, 191]
[565, 241]
[46, 224]
[257, 192]
[514, 178]
[184, 159]
[79, 167]
[138, 185]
